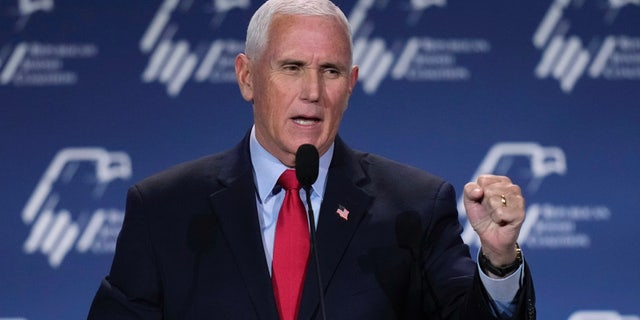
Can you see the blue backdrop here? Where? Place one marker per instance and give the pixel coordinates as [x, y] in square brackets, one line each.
[95, 95]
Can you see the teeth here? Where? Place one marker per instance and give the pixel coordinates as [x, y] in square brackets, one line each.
[305, 122]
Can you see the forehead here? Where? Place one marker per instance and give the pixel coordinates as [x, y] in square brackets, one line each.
[308, 34]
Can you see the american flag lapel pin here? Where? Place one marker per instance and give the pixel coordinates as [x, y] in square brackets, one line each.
[343, 212]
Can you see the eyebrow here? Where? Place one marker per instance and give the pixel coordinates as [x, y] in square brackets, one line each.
[329, 65]
[290, 61]
[326, 65]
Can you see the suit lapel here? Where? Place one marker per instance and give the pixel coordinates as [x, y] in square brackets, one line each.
[334, 232]
[235, 209]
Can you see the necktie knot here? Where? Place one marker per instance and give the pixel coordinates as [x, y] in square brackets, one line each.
[288, 180]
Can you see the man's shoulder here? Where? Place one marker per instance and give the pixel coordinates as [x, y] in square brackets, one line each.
[385, 167]
[392, 177]
[203, 173]
[191, 169]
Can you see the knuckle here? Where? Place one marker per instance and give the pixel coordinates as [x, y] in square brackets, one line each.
[515, 189]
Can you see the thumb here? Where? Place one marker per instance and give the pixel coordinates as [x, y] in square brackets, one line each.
[472, 200]
[472, 193]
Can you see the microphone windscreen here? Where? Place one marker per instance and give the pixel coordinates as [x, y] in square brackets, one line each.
[307, 164]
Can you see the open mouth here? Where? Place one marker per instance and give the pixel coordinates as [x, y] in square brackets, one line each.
[304, 121]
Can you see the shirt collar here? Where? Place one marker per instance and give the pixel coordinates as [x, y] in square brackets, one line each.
[267, 169]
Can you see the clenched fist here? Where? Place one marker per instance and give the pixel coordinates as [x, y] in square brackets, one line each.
[495, 209]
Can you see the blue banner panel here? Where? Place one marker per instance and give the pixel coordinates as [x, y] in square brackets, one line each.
[96, 95]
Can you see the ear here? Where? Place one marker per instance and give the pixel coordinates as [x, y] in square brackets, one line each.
[353, 79]
[244, 76]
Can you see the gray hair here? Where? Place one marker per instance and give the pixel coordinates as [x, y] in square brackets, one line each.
[258, 30]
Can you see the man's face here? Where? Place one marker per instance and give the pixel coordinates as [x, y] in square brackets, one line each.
[300, 84]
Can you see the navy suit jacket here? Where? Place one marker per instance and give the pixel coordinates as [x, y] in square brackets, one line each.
[191, 247]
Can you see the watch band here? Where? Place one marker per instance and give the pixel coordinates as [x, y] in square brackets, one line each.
[486, 265]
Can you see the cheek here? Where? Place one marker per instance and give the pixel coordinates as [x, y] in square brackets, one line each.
[334, 119]
[267, 99]
[279, 91]
[339, 102]
[272, 111]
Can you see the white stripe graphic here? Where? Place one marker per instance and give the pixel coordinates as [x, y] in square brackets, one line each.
[210, 59]
[179, 53]
[359, 48]
[576, 71]
[153, 33]
[89, 234]
[64, 245]
[158, 24]
[14, 62]
[375, 50]
[183, 74]
[379, 73]
[548, 24]
[568, 55]
[60, 223]
[359, 14]
[533, 214]
[156, 62]
[549, 57]
[38, 231]
[39, 195]
[404, 62]
[607, 49]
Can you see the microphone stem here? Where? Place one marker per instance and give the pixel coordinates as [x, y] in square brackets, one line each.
[312, 239]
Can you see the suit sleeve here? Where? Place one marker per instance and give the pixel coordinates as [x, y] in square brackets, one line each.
[451, 280]
[132, 288]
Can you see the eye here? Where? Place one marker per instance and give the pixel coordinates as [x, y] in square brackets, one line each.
[332, 73]
[291, 68]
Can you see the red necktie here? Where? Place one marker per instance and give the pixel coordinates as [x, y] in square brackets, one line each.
[290, 249]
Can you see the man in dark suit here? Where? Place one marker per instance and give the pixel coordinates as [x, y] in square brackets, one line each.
[198, 239]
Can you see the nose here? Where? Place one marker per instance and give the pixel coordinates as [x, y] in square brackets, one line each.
[312, 86]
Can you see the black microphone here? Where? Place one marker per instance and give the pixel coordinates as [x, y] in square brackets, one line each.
[307, 166]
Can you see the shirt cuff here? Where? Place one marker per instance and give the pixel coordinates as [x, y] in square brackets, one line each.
[504, 289]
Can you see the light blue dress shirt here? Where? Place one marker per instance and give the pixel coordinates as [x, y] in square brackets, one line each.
[267, 170]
